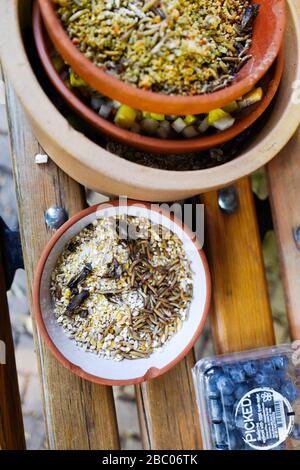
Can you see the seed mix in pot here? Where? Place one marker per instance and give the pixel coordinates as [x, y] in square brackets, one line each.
[122, 296]
[183, 47]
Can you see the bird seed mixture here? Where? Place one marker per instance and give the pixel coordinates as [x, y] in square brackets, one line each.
[122, 296]
[181, 47]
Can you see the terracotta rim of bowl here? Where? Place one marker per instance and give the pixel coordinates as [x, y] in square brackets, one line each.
[111, 86]
[143, 142]
[152, 371]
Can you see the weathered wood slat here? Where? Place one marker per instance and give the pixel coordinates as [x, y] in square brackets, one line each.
[167, 410]
[79, 415]
[11, 421]
[284, 188]
[241, 315]
[241, 318]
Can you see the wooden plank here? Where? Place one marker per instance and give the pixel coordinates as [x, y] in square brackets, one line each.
[11, 421]
[167, 410]
[284, 188]
[241, 315]
[241, 318]
[79, 415]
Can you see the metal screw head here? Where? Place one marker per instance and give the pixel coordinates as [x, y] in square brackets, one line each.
[228, 199]
[55, 216]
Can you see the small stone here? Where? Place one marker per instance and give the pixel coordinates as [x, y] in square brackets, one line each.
[41, 158]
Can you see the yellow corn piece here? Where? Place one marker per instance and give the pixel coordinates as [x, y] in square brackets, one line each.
[76, 81]
[190, 119]
[67, 294]
[216, 115]
[155, 116]
[231, 107]
[125, 116]
[252, 97]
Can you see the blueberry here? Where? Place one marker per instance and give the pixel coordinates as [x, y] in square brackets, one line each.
[273, 381]
[227, 368]
[280, 362]
[281, 374]
[260, 378]
[228, 400]
[250, 368]
[220, 434]
[216, 411]
[239, 421]
[237, 374]
[96, 102]
[234, 441]
[212, 369]
[289, 390]
[267, 366]
[228, 418]
[212, 389]
[241, 390]
[225, 385]
[295, 434]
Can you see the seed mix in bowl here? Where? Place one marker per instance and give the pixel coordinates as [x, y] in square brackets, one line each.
[181, 47]
[122, 296]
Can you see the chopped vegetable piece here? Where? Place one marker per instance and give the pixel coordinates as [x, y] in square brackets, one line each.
[224, 123]
[76, 81]
[178, 125]
[149, 126]
[125, 117]
[190, 119]
[203, 126]
[231, 107]
[136, 128]
[155, 116]
[216, 115]
[116, 104]
[166, 124]
[163, 132]
[190, 132]
[252, 97]
[105, 110]
[96, 102]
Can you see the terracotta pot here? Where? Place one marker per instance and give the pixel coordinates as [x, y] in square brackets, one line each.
[88, 365]
[267, 39]
[270, 83]
[109, 174]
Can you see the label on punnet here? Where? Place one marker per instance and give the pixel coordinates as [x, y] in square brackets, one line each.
[265, 418]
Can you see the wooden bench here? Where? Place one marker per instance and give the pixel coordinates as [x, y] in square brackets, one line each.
[81, 415]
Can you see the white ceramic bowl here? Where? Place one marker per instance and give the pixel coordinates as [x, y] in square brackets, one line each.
[106, 371]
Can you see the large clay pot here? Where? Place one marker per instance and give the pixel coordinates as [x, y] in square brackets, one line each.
[105, 172]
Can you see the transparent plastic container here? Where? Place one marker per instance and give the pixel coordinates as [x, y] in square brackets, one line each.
[250, 400]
